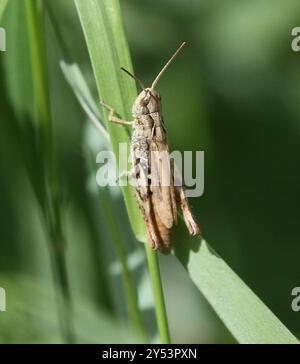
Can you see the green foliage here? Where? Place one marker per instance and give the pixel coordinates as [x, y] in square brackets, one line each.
[31, 316]
[221, 286]
[235, 99]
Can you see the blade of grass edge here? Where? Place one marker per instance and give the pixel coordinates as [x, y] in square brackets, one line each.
[77, 82]
[248, 319]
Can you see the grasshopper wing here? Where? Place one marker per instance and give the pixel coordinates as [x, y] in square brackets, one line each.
[162, 184]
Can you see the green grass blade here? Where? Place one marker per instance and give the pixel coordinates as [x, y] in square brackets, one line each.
[103, 29]
[160, 308]
[32, 310]
[3, 4]
[52, 208]
[245, 315]
[102, 33]
[77, 82]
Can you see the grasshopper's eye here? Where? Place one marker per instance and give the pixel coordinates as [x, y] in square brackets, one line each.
[145, 100]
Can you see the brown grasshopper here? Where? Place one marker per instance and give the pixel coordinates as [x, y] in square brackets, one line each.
[153, 171]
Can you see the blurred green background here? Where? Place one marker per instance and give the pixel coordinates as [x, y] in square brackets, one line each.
[234, 93]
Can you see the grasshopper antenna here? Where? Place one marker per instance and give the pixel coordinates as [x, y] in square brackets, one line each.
[134, 77]
[167, 65]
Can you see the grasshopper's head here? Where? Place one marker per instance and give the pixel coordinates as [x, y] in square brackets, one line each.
[148, 101]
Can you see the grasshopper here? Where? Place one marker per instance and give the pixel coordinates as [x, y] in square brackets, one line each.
[152, 169]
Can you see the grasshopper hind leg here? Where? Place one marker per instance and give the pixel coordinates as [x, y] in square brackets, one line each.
[186, 211]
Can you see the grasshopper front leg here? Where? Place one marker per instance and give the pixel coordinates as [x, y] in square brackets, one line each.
[115, 119]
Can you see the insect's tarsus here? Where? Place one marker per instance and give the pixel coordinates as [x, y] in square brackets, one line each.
[154, 83]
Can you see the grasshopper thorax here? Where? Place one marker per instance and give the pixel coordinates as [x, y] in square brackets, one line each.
[147, 102]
